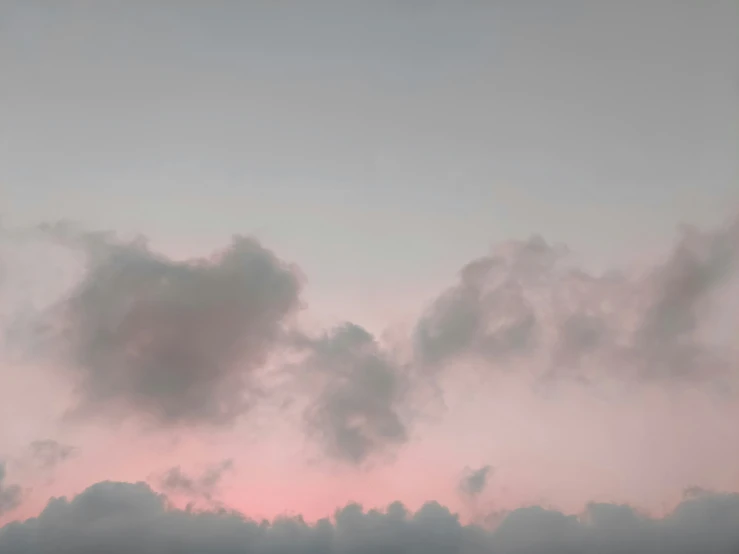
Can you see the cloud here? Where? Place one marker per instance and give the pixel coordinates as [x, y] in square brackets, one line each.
[526, 300]
[487, 314]
[183, 342]
[118, 518]
[204, 486]
[48, 453]
[10, 495]
[475, 481]
[178, 341]
[667, 339]
[356, 412]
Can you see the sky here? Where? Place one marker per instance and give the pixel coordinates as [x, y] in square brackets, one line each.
[470, 265]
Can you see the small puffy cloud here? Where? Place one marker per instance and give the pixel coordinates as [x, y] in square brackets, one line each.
[10, 495]
[48, 453]
[473, 482]
[119, 518]
[177, 341]
[360, 390]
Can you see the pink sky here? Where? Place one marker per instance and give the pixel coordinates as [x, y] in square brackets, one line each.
[562, 444]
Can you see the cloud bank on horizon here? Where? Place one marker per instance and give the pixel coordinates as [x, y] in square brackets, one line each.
[119, 518]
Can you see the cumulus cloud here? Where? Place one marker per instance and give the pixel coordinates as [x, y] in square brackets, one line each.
[176, 340]
[356, 412]
[204, 486]
[119, 518]
[474, 481]
[10, 495]
[48, 453]
[526, 299]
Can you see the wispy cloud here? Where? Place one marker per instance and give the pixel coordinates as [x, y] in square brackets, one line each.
[48, 453]
[525, 301]
[205, 485]
[10, 495]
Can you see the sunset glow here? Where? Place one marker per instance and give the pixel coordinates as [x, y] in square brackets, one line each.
[351, 277]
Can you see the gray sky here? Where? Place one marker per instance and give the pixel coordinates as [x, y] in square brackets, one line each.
[378, 144]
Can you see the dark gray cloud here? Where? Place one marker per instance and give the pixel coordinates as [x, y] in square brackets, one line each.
[473, 482]
[10, 495]
[49, 453]
[175, 340]
[204, 486]
[119, 518]
[356, 412]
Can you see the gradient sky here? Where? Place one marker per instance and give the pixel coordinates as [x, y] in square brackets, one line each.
[380, 147]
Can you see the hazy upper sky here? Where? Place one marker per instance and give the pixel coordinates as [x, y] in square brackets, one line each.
[379, 147]
[375, 143]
